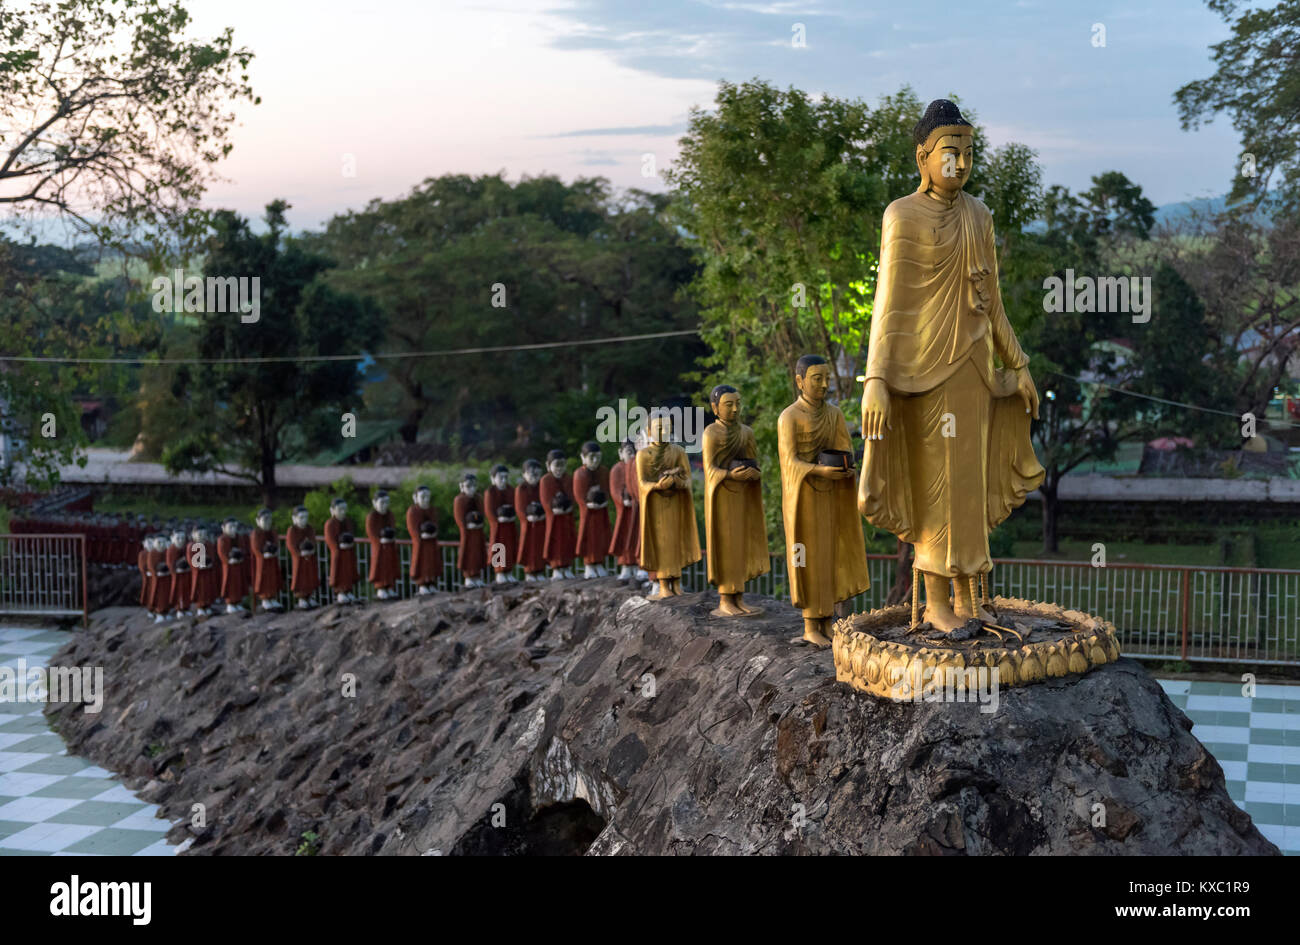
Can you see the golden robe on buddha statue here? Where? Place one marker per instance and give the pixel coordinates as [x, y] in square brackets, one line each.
[948, 454]
[735, 536]
[826, 555]
[669, 538]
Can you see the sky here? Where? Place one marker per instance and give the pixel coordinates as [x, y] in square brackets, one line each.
[363, 100]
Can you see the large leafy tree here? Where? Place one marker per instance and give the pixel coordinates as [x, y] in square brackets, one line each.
[468, 262]
[1255, 83]
[112, 119]
[245, 415]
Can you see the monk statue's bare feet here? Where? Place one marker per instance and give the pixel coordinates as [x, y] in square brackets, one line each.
[731, 605]
[812, 631]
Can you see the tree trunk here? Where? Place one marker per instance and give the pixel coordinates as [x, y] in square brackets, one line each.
[268, 481]
[1051, 510]
[902, 589]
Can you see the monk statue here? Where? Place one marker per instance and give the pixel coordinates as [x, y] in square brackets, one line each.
[341, 543]
[267, 579]
[160, 588]
[426, 556]
[826, 556]
[204, 582]
[735, 534]
[623, 541]
[234, 584]
[384, 564]
[180, 569]
[948, 454]
[556, 494]
[591, 490]
[471, 551]
[532, 528]
[670, 540]
[503, 525]
[304, 572]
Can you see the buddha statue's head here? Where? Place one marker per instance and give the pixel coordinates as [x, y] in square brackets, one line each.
[590, 454]
[423, 496]
[945, 151]
[725, 402]
[627, 452]
[178, 537]
[380, 502]
[660, 428]
[469, 484]
[556, 462]
[339, 508]
[812, 375]
[500, 476]
[300, 516]
[230, 528]
[533, 471]
[264, 520]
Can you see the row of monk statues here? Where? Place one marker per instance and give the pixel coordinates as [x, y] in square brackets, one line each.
[947, 456]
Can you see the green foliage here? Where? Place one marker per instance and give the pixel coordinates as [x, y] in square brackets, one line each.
[466, 262]
[310, 845]
[263, 416]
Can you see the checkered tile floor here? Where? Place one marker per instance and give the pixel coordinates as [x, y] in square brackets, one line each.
[1257, 741]
[55, 803]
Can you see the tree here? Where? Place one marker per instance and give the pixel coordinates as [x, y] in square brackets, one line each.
[243, 418]
[111, 119]
[480, 262]
[1255, 83]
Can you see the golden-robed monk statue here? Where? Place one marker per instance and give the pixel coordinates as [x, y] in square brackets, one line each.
[669, 538]
[826, 557]
[948, 454]
[735, 538]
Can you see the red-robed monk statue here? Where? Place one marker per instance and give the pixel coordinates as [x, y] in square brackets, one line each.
[532, 527]
[304, 578]
[591, 491]
[343, 553]
[267, 579]
[625, 541]
[384, 565]
[556, 493]
[234, 579]
[471, 553]
[426, 556]
[503, 525]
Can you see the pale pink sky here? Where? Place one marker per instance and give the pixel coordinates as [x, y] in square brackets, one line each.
[586, 87]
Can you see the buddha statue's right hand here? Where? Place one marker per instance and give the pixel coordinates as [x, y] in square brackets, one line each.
[875, 410]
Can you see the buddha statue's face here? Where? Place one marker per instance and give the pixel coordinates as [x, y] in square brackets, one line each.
[178, 538]
[948, 165]
[300, 519]
[532, 475]
[728, 407]
[380, 503]
[500, 479]
[815, 382]
[264, 522]
[660, 429]
[422, 498]
[591, 460]
[556, 466]
[196, 534]
[627, 452]
[229, 529]
[339, 510]
[469, 486]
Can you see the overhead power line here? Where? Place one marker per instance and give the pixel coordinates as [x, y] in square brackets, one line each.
[395, 355]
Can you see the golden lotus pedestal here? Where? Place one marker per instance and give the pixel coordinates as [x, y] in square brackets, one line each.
[879, 653]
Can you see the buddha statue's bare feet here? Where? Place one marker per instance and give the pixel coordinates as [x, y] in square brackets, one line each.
[942, 618]
[812, 631]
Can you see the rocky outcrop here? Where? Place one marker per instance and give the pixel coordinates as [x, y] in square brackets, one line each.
[582, 718]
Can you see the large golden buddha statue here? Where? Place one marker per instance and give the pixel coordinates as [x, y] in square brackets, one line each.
[948, 454]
